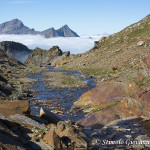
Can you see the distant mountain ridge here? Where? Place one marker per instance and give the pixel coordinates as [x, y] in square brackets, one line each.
[16, 26]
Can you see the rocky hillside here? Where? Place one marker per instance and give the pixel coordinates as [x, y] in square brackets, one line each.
[16, 26]
[10, 71]
[40, 57]
[14, 85]
[123, 55]
[118, 51]
[15, 50]
[121, 65]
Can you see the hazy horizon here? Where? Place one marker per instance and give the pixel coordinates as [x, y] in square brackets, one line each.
[75, 45]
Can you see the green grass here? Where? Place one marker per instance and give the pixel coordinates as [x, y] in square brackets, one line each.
[140, 83]
[63, 67]
[140, 32]
[69, 81]
[41, 131]
[89, 71]
[144, 82]
[95, 72]
[148, 79]
[107, 107]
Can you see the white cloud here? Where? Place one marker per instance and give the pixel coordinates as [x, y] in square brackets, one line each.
[22, 2]
[74, 44]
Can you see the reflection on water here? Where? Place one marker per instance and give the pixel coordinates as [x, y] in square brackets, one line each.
[56, 98]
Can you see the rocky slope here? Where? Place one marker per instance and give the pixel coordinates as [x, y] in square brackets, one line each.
[16, 50]
[118, 51]
[11, 86]
[16, 26]
[122, 67]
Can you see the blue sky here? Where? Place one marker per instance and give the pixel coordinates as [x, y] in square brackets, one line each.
[83, 16]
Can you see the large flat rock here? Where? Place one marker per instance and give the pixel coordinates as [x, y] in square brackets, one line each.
[8, 108]
[111, 101]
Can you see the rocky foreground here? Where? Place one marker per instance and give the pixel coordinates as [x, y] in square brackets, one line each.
[22, 131]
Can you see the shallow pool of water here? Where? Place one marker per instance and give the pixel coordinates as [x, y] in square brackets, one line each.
[56, 99]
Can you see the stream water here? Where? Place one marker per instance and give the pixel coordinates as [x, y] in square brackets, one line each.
[56, 99]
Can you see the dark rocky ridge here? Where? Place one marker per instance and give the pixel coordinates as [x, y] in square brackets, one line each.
[16, 26]
[40, 57]
[15, 50]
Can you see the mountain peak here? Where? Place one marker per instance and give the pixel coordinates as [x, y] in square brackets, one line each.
[65, 26]
[16, 21]
[65, 31]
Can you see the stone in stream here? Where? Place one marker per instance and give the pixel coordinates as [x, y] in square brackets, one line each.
[49, 116]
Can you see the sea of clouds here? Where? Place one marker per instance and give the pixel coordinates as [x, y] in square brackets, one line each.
[75, 45]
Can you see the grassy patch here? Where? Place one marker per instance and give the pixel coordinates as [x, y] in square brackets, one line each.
[63, 67]
[68, 80]
[31, 69]
[89, 71]
[145, 82]
[107, 107]
[95, 72]
[140, 83]
[62, 80]
[40, 131]
[140, 32]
